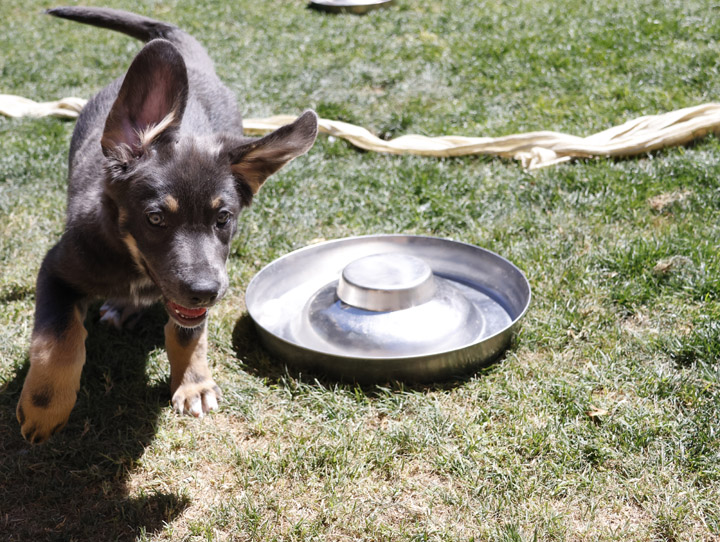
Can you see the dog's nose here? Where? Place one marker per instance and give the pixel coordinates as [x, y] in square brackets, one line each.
[203, 292]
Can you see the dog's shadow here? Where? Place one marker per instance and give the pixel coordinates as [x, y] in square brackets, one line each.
[74, 487]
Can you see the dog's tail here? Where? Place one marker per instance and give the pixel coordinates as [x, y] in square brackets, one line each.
[136, 26]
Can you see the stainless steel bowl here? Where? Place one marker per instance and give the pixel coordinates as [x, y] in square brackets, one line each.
[349, 6]
[388, 307]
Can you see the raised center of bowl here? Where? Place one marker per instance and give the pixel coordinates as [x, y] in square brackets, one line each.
[386, 282]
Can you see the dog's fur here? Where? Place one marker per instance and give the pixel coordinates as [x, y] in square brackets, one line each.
[158, 172]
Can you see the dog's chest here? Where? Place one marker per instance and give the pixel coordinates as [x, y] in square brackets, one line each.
[142, 291]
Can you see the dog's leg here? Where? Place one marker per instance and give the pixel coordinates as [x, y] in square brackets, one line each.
[57, 356]
[193, 389]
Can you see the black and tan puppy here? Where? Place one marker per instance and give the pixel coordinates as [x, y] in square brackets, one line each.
[158, 172]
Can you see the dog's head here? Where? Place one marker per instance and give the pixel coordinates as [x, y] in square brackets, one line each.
[177, 195]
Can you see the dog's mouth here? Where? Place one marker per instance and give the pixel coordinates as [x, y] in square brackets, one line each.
[185, 316]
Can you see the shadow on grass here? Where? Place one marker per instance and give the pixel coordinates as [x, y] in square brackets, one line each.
[75, 486]
[259, 362]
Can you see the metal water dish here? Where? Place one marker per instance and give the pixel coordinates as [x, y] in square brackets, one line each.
[388, 307]
[349, 6]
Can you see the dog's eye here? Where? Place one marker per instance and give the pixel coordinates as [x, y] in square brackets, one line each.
[223, 217]
[155, 218]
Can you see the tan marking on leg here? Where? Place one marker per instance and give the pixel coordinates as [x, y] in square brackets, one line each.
[55, 368]
[172, 204]
[185, 357]
[191, 384]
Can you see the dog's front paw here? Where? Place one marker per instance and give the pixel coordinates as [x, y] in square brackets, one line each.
[196, 398]
[43, 410]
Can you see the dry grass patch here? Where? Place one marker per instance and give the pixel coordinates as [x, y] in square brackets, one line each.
[663, 202]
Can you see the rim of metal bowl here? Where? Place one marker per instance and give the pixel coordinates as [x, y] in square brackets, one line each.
[339, 356]
[344, 6]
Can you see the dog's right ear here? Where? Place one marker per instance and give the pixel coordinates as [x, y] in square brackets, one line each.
[151, 101]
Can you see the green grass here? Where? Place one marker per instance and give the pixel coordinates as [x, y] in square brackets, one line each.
[600, 423]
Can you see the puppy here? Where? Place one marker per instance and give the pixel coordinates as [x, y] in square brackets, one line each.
[158, 172]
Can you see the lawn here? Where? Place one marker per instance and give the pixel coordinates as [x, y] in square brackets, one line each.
[601, 422]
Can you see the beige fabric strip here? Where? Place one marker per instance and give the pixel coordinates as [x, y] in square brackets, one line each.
[533, 149]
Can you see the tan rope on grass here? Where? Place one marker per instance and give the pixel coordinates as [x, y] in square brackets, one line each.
[17, 106]
[532, 149]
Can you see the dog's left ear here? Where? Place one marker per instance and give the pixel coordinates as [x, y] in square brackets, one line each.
[255, 161]
[151, 101]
